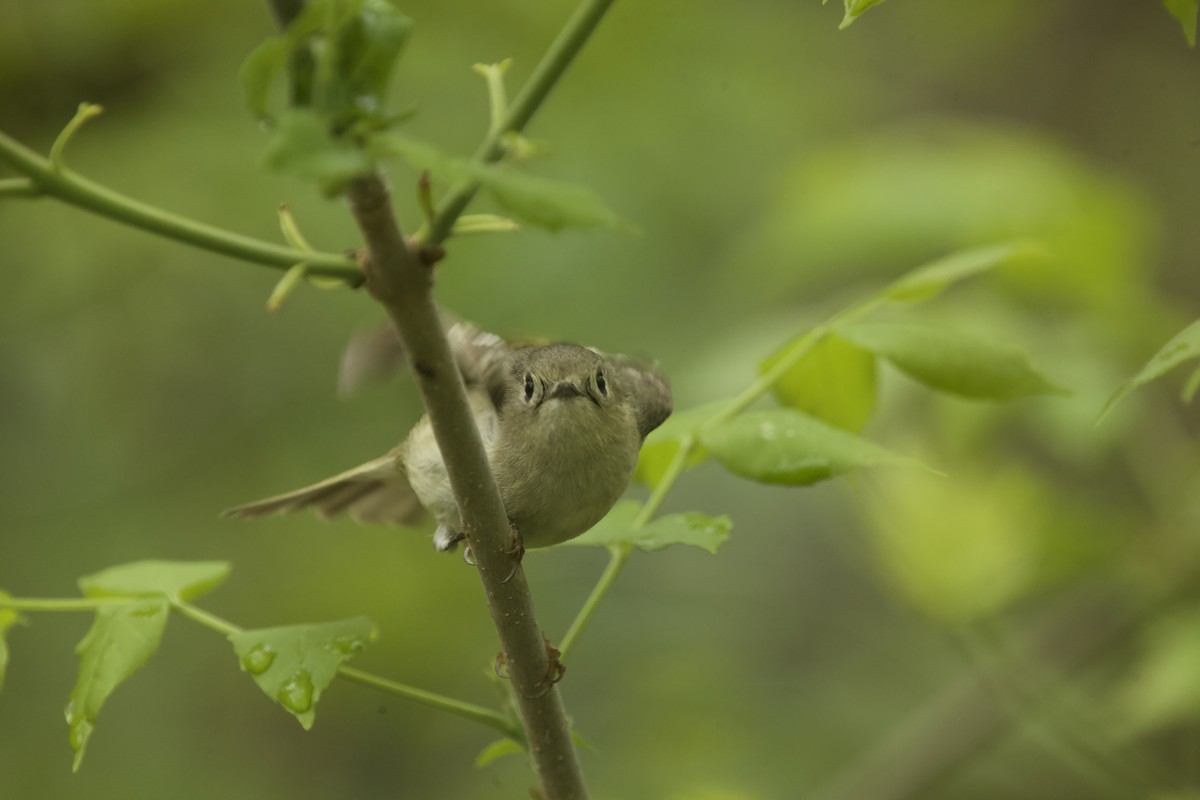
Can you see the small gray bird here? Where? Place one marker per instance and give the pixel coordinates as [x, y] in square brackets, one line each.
[561, 424]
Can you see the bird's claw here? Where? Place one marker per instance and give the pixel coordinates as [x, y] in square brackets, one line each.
[516, 552]
[555, 669]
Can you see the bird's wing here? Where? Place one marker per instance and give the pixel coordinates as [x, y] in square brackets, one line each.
[648, 389]
[376, 491]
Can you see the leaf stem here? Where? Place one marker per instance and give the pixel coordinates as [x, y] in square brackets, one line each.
[618, 555]
[484, 716]
[46, 179]
[205, 618]
[554, 63]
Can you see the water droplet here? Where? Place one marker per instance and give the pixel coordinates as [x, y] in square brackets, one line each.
[296, 694]
[347, 645]
[257, 659]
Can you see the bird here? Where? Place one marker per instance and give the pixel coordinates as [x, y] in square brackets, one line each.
[561, 424]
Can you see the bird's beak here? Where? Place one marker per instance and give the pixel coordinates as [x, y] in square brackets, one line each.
[565, 389]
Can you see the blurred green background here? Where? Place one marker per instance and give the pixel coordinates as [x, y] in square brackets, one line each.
[1028, 627]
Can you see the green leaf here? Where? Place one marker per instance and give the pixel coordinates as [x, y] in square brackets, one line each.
[1185, 12]
[834, 381]
[367, 48]
[660, 447]
[175, 580]
[295, 663]
[8, 618]
[302, 145]
[695, 529]
[553, 205]
[854, 9]
[258, 72]
[496, 750]
[952, 361]
[929, 280]
[1183, 346]
[120, 641]
[789, 447]
[1190, 388]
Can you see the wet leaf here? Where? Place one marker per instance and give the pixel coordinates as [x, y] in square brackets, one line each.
[789, 447]
[294, 664]
[692, 528]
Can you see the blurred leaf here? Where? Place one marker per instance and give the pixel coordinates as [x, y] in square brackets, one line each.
[854, 9]
[367, 47]
[301, 145]
[695, 529]
[789, 447]
[962, 548]
[1190, 388]
[662, 444]
[8, 618]
[496, 750]
[929, 280]
[952, 361]
[175, 580]
[1163, 690]
[1184, 346]
[421, 156]
[293, 664]
[258, 72]
[1185, 12]
[834, 381]
[553, 205]
[122, 638]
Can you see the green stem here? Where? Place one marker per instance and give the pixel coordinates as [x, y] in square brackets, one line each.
[545, 75]
[484, 716]
[208, 620]
[619, 554]
[18, 187]
[78, 191]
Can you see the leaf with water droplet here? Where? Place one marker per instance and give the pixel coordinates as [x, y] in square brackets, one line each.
[293, 664]
[789, 447]
[122, 638]
[175, 580]
[695, 529]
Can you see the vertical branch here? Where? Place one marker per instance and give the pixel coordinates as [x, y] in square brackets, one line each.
[401, 280]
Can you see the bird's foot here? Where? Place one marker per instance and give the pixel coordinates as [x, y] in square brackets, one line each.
[555, 669]
[516, 551]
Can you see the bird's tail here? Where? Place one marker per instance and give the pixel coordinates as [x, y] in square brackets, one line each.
[376, 491]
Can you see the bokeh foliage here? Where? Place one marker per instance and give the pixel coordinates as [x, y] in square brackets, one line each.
[776, 170]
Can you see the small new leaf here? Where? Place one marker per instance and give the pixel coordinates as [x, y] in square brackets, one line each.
[952, 361]
[854, 9]
[497, 750]
[302, 145]
[122, 638]
[367, 48]
[834, 380]
[929, 280]
[552, 205]
[1183, 346]
[791, 448]
[1186, 12]
[8, 618]
[173, 580]
[294, 664]
[695, 529]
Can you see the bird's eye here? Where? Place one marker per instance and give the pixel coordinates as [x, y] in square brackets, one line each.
[528, 387]
[601, 384]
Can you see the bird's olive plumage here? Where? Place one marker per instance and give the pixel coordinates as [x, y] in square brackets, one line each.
[561, 425]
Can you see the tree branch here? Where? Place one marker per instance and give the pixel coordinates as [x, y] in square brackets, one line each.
[43, 178]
